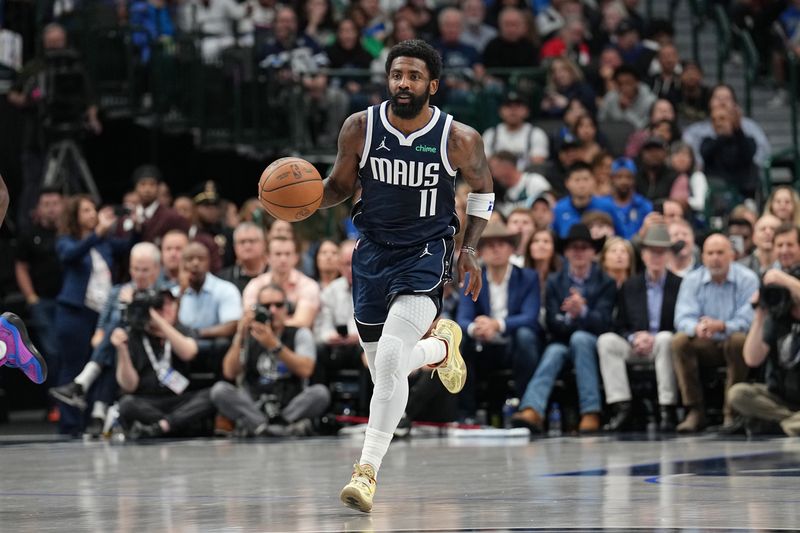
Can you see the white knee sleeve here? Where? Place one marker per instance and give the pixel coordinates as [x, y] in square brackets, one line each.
[408, 320]
[416, 311]
[370, 352]
[387, 366]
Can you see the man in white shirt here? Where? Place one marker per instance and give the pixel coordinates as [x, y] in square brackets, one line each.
[527, 142]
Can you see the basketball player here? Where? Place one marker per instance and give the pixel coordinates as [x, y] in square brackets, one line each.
[406, 156]
[16, 348]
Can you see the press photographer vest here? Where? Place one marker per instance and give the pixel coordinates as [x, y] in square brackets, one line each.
[267, 374]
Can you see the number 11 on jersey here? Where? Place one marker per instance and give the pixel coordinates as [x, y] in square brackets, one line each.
[427, 204]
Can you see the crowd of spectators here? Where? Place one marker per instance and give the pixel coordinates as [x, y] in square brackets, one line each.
[627, 228]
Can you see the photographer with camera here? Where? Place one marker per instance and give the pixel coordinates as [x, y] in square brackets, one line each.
[153, 356]
[145, 262]
[774, 337]
[273, 362]
[44, 92]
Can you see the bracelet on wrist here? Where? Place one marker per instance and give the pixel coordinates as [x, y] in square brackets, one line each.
[277, 349]
[469, 249]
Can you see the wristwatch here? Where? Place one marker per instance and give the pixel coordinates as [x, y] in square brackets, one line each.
[276, 350]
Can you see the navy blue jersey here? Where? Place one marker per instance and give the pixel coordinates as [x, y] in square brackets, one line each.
[407, 182]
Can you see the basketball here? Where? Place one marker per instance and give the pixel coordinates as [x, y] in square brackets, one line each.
[290, 189]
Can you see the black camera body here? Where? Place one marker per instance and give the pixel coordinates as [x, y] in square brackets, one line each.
[775, 299]
[262, 314]
[136, 314]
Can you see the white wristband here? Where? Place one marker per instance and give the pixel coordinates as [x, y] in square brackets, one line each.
[480, 204]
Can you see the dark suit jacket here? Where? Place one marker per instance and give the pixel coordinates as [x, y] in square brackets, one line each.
[162, 221]
[632, 305]
[523, 302]
[77, 263]
[599, 292]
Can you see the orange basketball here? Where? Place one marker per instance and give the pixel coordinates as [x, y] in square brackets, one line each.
[290, 189]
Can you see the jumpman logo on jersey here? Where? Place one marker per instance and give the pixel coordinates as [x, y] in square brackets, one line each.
[383, 145]
[425, 252]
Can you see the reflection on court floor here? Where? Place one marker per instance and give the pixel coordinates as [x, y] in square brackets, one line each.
[436, 484]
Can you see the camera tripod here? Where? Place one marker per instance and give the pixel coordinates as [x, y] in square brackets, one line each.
[63, 156]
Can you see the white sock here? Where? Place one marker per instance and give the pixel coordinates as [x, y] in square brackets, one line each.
[88, 375]
[428, 352]
[376, 443]
[99, 410]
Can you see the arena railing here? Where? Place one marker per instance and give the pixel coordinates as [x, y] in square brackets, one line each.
[230, 103]
[697, 9]
[750, 63]
[724, 40]
[235, 103]
[788, 157]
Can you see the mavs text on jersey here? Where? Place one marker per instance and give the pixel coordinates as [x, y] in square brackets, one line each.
[406, 215]
[407, 183]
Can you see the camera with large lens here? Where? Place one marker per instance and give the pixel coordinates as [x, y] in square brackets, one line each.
[776, 299]
[262, 314]
[136, 314]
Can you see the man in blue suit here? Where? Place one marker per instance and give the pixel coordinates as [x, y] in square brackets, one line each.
[502, 325]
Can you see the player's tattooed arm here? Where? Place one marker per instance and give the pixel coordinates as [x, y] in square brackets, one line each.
[465, 147]
[342, 182]
[4, 200]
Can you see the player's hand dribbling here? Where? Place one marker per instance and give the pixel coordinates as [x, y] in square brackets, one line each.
[468, 264]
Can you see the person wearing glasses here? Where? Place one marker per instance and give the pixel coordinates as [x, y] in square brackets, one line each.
[272, 361]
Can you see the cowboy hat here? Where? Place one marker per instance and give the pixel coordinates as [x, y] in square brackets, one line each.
[577, 233]
[657, 236]
[498, 231]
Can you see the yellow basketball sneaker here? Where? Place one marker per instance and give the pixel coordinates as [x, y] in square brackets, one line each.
[359, 492]
[452, 371]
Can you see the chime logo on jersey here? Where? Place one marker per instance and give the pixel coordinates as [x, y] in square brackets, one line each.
[407, 173]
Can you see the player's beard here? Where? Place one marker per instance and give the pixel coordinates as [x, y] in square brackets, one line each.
[410, 109]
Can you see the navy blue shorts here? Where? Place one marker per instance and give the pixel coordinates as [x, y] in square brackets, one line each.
[381, 273]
